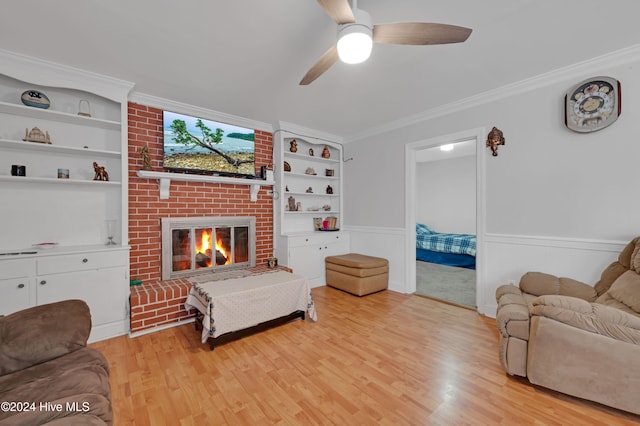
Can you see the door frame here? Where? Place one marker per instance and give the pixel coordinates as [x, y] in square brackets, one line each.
[410, 205]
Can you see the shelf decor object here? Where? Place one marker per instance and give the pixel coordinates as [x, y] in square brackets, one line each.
[84, 108]
[100, 172]
[593, 104]
[35, 99]
[494, 139]
[36, 135]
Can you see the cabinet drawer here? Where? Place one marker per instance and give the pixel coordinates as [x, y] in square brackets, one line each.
[16, 268]
[81, 262]
[15, 295]
[319, 238]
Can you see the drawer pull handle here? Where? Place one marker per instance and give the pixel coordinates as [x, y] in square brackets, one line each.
[85, 260]
[43, 282]
[20, 285]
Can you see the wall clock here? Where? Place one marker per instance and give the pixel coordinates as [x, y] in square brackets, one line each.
[592, 104]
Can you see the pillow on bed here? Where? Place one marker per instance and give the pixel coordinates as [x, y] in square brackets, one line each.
[424, 229]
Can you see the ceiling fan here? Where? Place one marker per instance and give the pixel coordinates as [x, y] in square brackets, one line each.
[356, 35]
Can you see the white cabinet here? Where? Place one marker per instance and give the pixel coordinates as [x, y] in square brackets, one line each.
[15, 294]
[16, 285]
[93, 274]
[308, 187]
[74, 212]
[95, 277]
[306, 253]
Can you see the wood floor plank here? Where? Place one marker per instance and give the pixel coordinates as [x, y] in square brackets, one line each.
[386, 358]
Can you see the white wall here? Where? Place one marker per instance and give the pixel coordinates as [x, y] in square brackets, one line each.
[553, 199]
[446, 195]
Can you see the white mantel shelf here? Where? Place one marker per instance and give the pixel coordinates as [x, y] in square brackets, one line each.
[165, 178]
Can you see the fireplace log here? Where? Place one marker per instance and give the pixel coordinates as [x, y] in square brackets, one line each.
[220, 258]
[202, 260]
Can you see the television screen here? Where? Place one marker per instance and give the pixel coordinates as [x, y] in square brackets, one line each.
[204, 146]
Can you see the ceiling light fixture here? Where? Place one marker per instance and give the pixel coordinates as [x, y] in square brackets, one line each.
[446, 147]
[354, 39]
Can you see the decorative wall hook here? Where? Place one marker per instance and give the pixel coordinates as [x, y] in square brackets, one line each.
[495, 138]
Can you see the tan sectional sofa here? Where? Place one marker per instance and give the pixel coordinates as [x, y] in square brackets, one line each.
[47, 373]
[574, 338]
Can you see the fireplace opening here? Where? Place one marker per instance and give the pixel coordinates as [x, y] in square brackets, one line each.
[195, 245]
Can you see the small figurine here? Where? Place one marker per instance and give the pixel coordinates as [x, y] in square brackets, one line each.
[146, 159]
[495, 138]
[325, 152]
[311, 152]
[101, 172]
[309, 190]
[326, 207]
[293, 146]
[329, 189]
[292, 203]
[286, 188]
[298, 206]
[36, 135]
[84, 108]
[310, 171]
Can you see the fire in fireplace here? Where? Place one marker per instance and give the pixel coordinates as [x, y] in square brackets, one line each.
[194, 245]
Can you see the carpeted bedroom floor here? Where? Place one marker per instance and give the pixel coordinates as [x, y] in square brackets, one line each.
[449, 283]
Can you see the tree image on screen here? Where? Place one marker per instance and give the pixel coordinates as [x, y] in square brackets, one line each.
[208, 140]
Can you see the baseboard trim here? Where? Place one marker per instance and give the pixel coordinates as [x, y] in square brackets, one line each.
[160, 327]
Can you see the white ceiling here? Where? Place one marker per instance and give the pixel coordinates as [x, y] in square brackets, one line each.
[246, 57]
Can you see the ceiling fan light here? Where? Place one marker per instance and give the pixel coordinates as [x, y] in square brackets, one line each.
[354, 44]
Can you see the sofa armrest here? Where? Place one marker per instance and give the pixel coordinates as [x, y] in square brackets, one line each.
[42, 333]
[512, 316]
[593, 317]
[540, 284]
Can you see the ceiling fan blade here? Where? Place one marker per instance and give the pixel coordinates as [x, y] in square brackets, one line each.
[419, 33]
[338, 10]
[324, 63]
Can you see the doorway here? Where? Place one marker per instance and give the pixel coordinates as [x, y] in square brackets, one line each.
[468, 143]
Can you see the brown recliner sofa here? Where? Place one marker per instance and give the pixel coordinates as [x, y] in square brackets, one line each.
[575, 338]
[47, 373]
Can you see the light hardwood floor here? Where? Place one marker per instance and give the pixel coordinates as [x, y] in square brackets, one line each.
[386, 358]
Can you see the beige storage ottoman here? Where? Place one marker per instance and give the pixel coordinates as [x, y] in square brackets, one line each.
[357, 274]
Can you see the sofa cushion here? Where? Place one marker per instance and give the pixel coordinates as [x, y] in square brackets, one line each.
[41, 333]
[539, 284]
[626, 290]
[85, 357]
[617, 268]
[592, 317]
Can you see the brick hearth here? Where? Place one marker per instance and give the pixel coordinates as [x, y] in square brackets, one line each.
[158, 303]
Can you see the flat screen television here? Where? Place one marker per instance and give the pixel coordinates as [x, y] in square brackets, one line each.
[197, 145]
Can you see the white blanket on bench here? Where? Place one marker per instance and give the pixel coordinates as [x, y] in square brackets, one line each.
[238, 303]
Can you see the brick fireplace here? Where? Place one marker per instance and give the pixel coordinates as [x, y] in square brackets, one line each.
[157, 302]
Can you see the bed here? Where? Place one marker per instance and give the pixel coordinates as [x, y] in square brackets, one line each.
[445, 249]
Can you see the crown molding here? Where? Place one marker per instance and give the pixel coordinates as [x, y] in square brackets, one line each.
[582, 69]
[307, 132]
[208, 114]
[38, 71]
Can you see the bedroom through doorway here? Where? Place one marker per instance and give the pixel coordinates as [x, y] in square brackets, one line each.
[443, 187]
